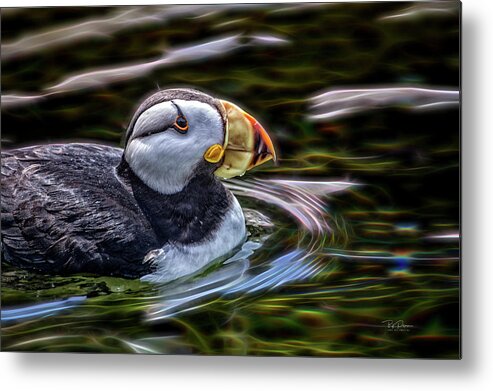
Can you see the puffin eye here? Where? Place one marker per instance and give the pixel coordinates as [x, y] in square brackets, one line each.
[181, 124]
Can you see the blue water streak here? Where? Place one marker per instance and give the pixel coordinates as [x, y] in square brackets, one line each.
[43, 309]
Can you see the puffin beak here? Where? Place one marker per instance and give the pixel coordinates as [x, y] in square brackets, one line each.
[246, 144]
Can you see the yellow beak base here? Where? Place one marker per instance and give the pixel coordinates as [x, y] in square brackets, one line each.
[214, 154]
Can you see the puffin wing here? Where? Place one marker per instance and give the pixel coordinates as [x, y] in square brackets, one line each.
[64, 210]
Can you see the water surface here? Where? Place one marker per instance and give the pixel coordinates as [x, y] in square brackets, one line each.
[357, 225]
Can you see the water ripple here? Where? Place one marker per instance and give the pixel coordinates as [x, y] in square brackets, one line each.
[101, 77]
[123, 18]
[340, 102]
[436, 8]
[39, 310]
[301, 199]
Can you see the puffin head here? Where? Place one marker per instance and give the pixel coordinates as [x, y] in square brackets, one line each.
[175, 132]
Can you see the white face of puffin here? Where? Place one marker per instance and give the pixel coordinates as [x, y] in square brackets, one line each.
[168, 141]
[171, 138]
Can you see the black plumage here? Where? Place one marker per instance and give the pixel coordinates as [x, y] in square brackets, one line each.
[79, 208]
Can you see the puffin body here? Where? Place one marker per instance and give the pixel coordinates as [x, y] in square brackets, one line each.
[155, 210]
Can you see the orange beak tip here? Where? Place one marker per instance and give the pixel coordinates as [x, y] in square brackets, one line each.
[264, 144]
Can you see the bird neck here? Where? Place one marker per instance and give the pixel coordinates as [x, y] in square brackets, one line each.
[186, 216]
[203, 176]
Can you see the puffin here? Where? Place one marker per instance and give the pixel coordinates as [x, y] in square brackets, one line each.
[155, 210]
